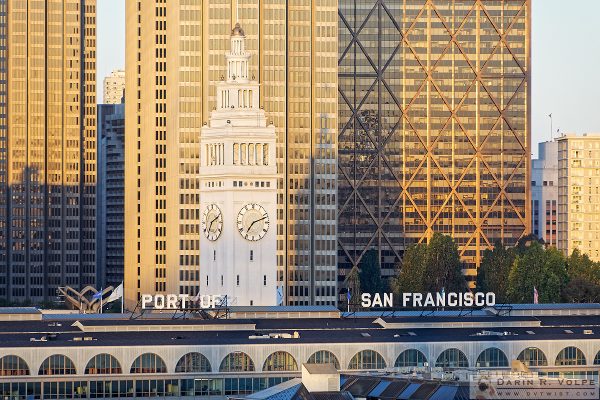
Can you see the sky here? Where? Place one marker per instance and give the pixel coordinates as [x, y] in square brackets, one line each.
[565, 62]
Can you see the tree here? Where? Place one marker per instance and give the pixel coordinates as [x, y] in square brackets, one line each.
[580, 290]
[544, 269]
[353, 284]
[430, 267]
[370, 273]
[494, 271]
[443, 268]
[579, 265]
[411, 273]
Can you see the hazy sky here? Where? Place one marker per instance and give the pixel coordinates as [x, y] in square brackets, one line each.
[565, 62]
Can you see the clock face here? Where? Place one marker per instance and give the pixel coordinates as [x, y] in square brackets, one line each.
[253, 222]
[212, 222]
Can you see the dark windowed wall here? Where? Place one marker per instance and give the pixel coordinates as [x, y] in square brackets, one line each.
[137, 388]
[433, 127]
[110, 233]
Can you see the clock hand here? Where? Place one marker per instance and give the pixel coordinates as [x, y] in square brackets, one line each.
[258, 220]
[212, 222]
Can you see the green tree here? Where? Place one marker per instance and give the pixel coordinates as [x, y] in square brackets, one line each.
[430, 267]
[443, 268]
[353, 285]
[579, 265]
[411, 273]
[494, 271]
[544, 269]
[370, 273]
[580, 290]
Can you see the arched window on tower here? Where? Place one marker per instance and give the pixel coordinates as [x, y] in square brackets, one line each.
[251, 154]
[266, 154]
[244, 157]
[236, 153]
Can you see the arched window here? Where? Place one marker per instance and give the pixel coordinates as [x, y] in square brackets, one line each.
[237, 362]
[236, 153]
[266, 154]
[13, 366]
[244, 154]
[410, 358]
[57, 364]
[251, 154]
[280, 361]
[259, 154]
[492, 358]
[570, 356]
[367, 359]
[148, 363]
[324, 357]
[597, 359]
[193, 362]
[103, 364]
[452, 358]
[533, 357]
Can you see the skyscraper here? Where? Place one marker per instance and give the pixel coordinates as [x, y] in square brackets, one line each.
[47, 147]
[114, 87]
[433, 126]
[579, 194]
[170, 92]
[544, 193]
[110, 195]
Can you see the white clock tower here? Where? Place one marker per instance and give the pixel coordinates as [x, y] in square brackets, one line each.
[238, 198]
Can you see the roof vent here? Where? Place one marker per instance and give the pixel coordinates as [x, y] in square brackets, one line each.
[568, 331]
[365, 334]
[530, 332]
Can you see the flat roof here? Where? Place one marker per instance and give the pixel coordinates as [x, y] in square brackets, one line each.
[67, 338]
[19, 310]
[118, 331]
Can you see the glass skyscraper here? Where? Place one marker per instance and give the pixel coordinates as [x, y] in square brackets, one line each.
[47, 147]
[434, 127]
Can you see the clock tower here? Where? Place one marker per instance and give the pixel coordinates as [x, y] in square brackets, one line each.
[238, 190]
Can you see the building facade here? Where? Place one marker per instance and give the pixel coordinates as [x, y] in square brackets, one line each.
[110, 229]
[544, 193]
[238, 199]
[579, 194]
[114, 87]
[434, 127]
[185, 358]
[170, 92]
[47, 147]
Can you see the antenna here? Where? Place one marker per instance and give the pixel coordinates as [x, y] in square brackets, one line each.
[551, 128]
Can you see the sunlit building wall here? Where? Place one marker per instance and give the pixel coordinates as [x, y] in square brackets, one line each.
[434, 127]
[579, 194]
[114, 87]
[174, 57]
[47, 147]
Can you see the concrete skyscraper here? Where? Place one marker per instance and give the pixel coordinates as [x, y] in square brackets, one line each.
[114, 87]
[47, 147]
[434, 124]
[174, 57]
[579, 194]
